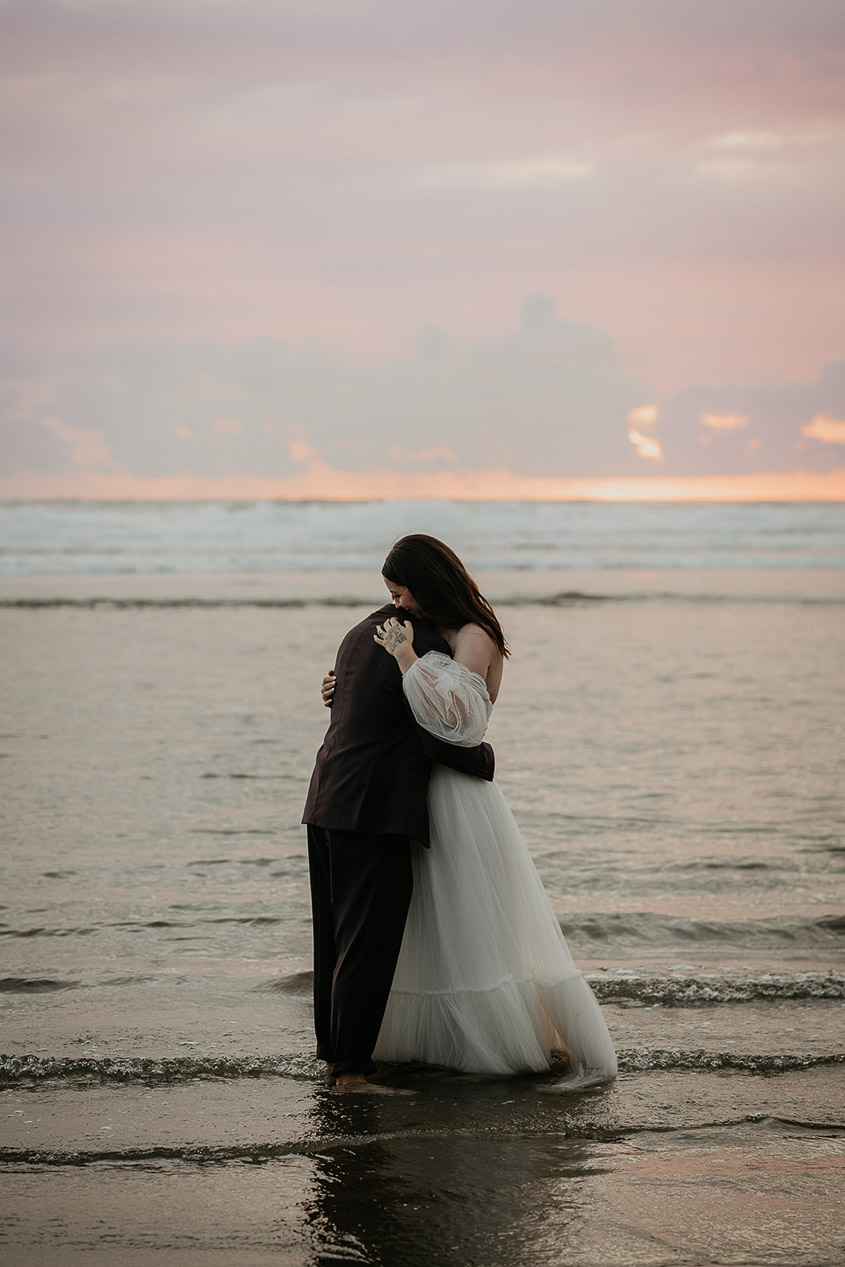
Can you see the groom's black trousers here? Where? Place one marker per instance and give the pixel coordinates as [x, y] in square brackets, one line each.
[360, 892]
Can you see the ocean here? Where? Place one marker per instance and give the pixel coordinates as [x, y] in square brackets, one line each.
[670, 737]
[245, 538]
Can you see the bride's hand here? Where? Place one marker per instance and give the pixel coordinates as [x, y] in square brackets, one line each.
[327, 688]
[397, 639]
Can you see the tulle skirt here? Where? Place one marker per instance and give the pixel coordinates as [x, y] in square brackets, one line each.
[485, 982]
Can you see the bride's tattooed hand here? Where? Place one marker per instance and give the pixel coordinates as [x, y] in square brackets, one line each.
[395, 637]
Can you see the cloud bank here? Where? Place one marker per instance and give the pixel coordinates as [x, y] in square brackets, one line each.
[548, 400]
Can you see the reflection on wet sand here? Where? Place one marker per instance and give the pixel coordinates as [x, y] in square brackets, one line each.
[457, 1188]
[438, 1197]
[662, 1168]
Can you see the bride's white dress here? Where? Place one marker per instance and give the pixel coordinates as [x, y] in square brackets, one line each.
[485, 982]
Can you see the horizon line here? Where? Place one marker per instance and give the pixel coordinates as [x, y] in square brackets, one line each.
[319, 482]
[247, 500]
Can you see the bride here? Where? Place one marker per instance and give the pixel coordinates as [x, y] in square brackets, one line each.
[485, 982]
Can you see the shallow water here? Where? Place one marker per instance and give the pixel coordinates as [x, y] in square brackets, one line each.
[695, 1168]
[675, 763]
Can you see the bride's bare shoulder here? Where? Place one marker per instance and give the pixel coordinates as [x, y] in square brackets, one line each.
[474, 635]
[473, 647]
[469, 637]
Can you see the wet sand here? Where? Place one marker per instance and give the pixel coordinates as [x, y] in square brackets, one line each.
[681, 1168]
[116, 1148]
[353, 587]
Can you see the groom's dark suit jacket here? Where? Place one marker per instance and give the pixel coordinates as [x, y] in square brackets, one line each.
[372, 771]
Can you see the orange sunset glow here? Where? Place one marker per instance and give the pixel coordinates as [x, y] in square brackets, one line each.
[322, 483]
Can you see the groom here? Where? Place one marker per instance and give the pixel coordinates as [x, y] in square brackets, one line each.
[366, 804]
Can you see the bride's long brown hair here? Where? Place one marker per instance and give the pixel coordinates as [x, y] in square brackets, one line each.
[444, 589]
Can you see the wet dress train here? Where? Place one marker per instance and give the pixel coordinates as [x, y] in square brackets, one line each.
[485, 982]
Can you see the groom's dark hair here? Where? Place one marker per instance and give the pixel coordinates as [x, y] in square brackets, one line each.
[447, 595]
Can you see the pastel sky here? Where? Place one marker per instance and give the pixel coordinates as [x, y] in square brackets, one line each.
[479, 248]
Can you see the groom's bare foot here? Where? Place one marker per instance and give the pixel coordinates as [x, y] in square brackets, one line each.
[357, 1082]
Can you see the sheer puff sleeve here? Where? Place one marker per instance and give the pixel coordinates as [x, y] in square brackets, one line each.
[448, 699]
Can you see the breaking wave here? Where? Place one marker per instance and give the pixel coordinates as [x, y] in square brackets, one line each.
[149, 1071]
[676, 990]
[566, 598]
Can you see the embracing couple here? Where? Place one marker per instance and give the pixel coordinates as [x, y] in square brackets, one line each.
[434, 939]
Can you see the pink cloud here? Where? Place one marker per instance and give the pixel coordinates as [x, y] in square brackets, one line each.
[645, 446]
[828, 430]
[644, 415]
[87, 449]
[725, 422]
